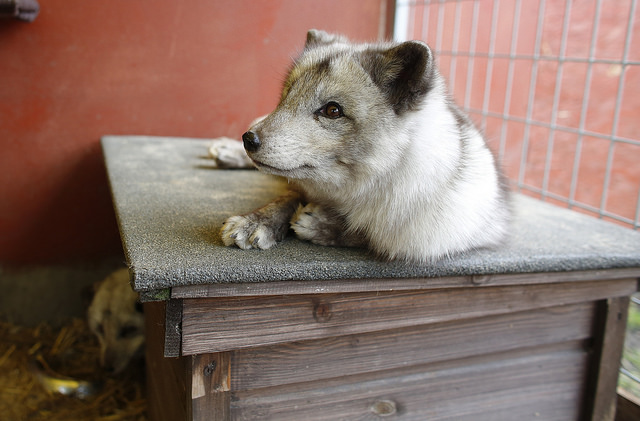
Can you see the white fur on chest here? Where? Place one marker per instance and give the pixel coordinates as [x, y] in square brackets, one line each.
[438, 197]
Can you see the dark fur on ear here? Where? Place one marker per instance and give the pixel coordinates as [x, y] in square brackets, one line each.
[404, 73]
[316, 37]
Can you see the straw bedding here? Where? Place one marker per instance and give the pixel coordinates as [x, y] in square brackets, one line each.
[71, 351]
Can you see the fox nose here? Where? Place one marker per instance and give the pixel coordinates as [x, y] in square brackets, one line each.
[251, 141]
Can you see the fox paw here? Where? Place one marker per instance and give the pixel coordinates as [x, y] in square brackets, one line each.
[313, 223]
[229, 153]
[247, 232]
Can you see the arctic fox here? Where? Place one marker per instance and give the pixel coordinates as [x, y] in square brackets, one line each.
[377, 155]
[115, 317]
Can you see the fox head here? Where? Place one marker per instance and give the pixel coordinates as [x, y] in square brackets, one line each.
[115, 317]
[338, 104]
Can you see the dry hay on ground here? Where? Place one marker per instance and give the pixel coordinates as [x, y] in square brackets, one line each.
[71, 351]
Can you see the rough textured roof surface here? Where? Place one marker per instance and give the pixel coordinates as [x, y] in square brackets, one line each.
[170, 202]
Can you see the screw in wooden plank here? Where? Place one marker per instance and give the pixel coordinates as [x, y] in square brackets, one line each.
[209, 369]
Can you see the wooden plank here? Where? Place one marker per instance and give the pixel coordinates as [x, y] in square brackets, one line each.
[542, 386]
[391, 349]
[628, 408]
[608, 346]
[209, 391]
[166, 377]
[221, 324]
[173, 328]
[392, 284]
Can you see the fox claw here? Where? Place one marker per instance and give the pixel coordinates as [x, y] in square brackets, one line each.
[247, 233]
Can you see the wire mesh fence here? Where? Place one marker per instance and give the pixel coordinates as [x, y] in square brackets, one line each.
[555, 85]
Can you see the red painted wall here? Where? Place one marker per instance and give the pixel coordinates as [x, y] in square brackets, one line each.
[84, 69]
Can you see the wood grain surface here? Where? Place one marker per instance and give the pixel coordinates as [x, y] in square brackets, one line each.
[222, 324]
[315, 360]
[545, 385]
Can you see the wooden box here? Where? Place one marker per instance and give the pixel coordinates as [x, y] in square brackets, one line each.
[531, 331]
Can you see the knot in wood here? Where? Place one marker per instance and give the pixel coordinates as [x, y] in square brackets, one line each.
[322, 312]
[480, 279]
[384, 408]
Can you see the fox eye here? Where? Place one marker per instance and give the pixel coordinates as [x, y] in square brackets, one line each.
[331, 110]
[128, 331]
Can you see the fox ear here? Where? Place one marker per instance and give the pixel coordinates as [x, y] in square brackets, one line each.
[316, 37]
[405, 73]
